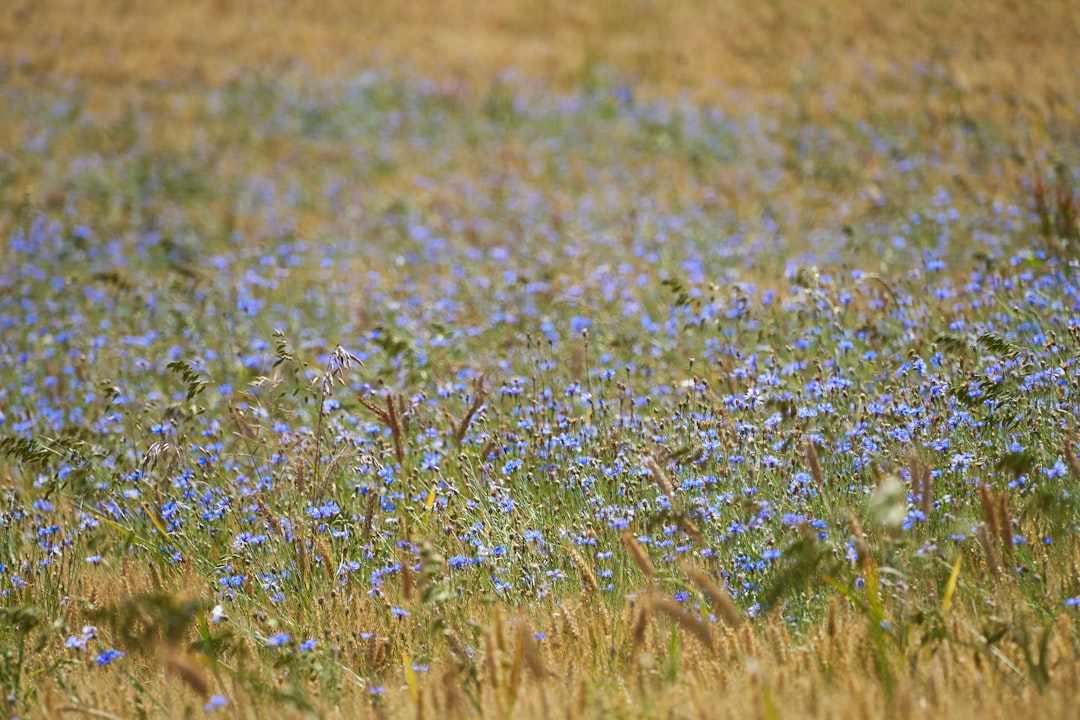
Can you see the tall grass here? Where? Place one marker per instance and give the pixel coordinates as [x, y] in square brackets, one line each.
[401, 394]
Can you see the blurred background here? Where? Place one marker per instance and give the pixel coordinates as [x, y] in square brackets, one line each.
[1025, 50]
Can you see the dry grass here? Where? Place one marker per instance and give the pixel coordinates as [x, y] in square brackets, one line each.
[757, 671]
[992, 653]
[988, 48]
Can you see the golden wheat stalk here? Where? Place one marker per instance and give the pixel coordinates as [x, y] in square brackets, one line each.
[1005, 518]
[989, 508]
[395, 429]
[187, 669]
[993, 559]
[720, 599]
[926, 496]
[479, 393]
[591, 584]
[638, 555]
[862, 548]
[660, 478]
[407, 582]
[327, 555]
[689, 621]
[1070, 456]
[530, 650]
[814, 463]
[692, 531]
[642, 614]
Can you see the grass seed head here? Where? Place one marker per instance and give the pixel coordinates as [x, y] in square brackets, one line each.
[720, 599]
[660, 477]
[1070, 456]
[185, 667]
[695, 625]
[642, 612]
[638, 554]
[990, 511]
[814, 463]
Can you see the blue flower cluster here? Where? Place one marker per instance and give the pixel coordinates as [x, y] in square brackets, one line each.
[535, 322]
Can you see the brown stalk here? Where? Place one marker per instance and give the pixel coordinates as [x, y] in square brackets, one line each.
[1070, 456]
[1005, 517]
[479, 393]
[638, 554]
[915, 475]
[926, 494]
[375, 410]
[187, 669]
[862, 548]
[660, 478]
[641, 621]
[688, 620]
[922, 483]
[407, 583]
[491, 660]
[271, 519]
[692, 531]
[990, 514]
[389, 417]
[993, 559]
[720, 599]
[530, 651]
[327, 555]
[591, 584]
[369, 517]
[814, 463]
[395, 429]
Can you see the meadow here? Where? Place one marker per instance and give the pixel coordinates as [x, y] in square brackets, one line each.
[482, 360]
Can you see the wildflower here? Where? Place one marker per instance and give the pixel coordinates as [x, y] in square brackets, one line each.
[78, 642]
[106, 657]
[278, 640]
[215, 703]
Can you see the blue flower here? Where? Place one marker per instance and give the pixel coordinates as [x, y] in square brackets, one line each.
[215, 703]
[278, 640]
[108, 656]
[78, 642]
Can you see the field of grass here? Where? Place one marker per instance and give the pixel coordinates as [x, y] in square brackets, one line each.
[489, 360]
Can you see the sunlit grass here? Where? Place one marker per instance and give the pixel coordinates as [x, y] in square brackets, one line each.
[344, 390]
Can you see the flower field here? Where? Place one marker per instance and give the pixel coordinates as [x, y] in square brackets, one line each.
[376, 391]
